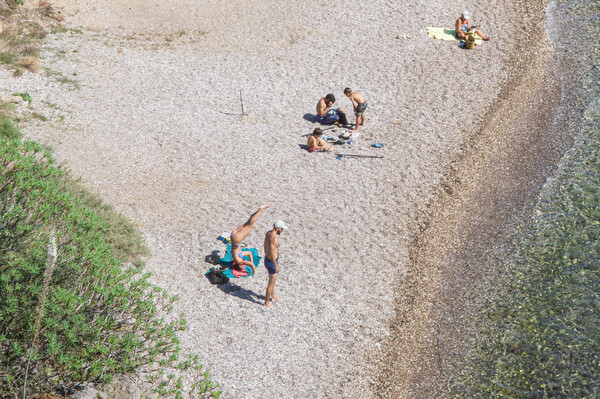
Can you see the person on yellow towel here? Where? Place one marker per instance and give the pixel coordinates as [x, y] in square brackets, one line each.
[462, 27]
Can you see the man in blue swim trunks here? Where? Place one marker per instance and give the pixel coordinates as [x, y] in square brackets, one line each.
[462, 27]
[238, 235]
[329, 115]
[272, 260]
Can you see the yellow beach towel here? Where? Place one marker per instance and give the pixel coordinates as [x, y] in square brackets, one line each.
[445, 34]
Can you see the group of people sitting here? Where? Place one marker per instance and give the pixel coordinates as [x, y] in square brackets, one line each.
[327, 115]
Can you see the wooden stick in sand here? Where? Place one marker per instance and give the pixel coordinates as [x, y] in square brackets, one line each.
[242, 102]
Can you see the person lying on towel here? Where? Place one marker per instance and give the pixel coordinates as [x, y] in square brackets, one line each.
[327, 114]
[238, 235]
[316, 143]
[463, 27]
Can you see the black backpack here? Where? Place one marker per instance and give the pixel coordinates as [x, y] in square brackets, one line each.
[216, 276]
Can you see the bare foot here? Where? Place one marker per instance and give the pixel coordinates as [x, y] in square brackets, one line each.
[486, 38]
[265, 206]
[269, 305]
[275, 298]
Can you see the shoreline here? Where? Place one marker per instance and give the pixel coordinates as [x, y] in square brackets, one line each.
[169, 164]
[489, 188]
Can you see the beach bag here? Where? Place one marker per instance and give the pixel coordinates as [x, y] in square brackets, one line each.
[216, 277]
[470, 42]
[343, 120]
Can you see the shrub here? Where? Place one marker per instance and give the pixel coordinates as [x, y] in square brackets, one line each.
[30, 63]
[99, 317]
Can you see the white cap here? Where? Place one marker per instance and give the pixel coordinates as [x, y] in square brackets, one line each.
[465, 14]
[279, 224]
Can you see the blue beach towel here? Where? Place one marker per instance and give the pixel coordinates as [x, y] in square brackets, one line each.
[227, 261]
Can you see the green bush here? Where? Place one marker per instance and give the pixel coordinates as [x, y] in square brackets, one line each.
[95, 317]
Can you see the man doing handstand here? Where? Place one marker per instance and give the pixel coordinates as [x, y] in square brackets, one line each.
[238, 235]
[272, 260]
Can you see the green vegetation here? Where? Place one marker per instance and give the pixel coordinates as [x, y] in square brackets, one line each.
[39, 116]
[7, 57]
[59, 77]
[8, 130]
[72, 307]
[25, 96]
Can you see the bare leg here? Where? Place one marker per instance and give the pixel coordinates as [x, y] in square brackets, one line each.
[362, 122]
[270, 291]
[238, 235]
[481, 35]
[358, 119]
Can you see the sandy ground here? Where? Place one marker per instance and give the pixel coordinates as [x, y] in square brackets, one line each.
[155, 129]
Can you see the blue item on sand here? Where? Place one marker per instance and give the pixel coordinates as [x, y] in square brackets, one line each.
[227, 262]
[377, 145]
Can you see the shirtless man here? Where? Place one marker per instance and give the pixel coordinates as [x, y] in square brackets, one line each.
[462, 27]
[360, 105]
[316, 143]
[328, 115]
[272, 260]
[238, 235]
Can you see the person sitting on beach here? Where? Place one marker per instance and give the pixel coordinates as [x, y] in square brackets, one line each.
[272, 260]
[360, 105]
[316, 143]
[327, 114]
[463, 27]
[238, 235]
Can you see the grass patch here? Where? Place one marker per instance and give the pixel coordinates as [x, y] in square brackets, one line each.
[39, 116]
[7, 58]
[8, 129]
[60, 78]
[25, 96]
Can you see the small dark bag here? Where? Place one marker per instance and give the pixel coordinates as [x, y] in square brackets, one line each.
[343, 120]
[216, 277]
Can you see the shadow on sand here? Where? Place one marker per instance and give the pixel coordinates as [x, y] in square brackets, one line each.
[239, 292]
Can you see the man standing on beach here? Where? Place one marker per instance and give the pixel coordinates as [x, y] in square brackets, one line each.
[327, 114]
[272, 260]
[360, 105]
[238, 235]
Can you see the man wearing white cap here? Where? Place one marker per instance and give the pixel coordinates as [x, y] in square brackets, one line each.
[272, 260]
[462, 27]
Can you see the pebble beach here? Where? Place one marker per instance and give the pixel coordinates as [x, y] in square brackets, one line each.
[150, 119]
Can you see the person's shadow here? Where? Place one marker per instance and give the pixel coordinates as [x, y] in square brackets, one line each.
[239, 292]
[311, 118]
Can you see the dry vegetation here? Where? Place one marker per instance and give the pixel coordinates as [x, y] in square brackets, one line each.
[22, 28]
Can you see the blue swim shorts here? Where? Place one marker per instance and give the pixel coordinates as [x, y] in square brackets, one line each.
[271, 266]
